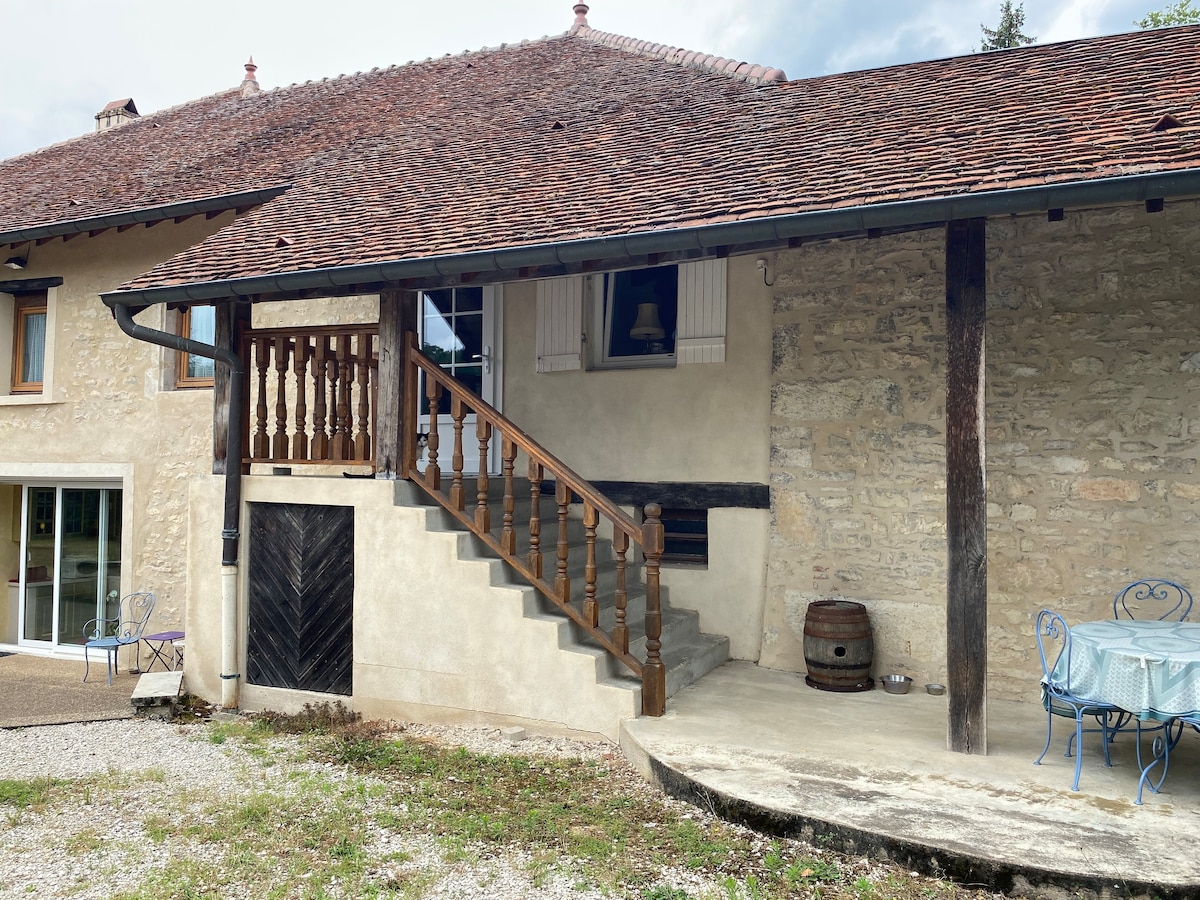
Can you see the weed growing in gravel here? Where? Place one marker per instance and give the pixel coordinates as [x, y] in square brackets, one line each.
[23, 793]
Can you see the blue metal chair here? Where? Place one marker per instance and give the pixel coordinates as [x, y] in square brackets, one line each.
[110, 635]
[1163, 744]
[1054, 647]
[1152, 598]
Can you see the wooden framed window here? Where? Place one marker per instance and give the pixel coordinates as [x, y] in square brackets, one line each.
[198, 323]
[29, 344]
[685, 536]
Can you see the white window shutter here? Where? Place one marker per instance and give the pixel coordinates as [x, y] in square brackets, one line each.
[560, 324]
[700, 328]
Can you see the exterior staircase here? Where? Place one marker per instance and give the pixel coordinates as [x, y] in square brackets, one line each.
[687, 652]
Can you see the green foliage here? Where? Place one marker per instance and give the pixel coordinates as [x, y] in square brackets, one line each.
[1179, 13]
[25, 792]
[1008, 33]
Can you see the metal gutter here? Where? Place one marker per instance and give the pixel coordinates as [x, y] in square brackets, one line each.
[147, 214]
[702, 238]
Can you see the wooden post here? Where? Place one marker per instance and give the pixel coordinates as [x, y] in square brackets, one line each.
[397, 315]
[232, 320]
[654, 673]
[966, 492]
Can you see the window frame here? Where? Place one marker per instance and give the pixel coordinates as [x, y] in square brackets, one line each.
[183, 380]
[670, 517]
[604, 306]
[24, 307]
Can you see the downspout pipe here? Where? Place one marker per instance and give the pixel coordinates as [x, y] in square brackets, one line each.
[233, 481]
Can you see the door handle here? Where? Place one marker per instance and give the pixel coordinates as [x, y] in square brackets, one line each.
[486, 356]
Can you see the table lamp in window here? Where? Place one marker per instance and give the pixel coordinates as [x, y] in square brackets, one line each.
[648, 328]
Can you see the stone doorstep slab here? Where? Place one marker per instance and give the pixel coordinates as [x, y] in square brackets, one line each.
[157, 689]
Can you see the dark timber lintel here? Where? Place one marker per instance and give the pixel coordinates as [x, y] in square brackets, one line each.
[682, 494]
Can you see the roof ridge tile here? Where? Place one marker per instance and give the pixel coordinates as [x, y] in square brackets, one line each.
[719, 65]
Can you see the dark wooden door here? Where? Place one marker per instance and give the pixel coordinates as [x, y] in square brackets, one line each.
[301, 597]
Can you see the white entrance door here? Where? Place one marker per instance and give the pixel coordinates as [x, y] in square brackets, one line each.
[459, 330]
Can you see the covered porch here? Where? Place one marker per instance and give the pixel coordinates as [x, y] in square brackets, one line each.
[870, 773]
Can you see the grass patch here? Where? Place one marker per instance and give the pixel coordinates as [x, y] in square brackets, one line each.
[24, 793]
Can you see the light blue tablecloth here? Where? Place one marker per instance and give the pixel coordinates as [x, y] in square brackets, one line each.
[1151, 669]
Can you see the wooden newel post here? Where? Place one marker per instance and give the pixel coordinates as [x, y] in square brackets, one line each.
[654, 673]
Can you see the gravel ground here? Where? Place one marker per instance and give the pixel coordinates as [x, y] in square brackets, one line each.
[98, 846]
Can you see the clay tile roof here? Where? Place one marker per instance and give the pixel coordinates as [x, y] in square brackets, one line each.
[589, 135]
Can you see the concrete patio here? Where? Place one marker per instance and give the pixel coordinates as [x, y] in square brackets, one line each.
[42, 690]
[869, 773]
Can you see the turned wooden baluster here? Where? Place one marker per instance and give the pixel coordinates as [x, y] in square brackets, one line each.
[262, 443]
[320, 441]
[535, 518]
[279, 445]
[458, 412]
[343, 441]
[562, 582]
[433, 475]
[621, 629]
[654, 673]
[483, 515]
[362, 440]
[508, 537]
[300, 370]
[590, 609]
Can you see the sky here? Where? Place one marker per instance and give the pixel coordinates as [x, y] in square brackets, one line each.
[63, 60]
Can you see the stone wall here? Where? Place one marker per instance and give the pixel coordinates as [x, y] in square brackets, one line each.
[1093, 354]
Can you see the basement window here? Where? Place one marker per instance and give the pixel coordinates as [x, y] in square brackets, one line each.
[685, 537]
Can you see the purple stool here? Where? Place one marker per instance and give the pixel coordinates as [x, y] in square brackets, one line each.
[169, 658]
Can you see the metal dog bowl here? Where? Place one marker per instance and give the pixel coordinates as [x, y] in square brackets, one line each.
[896, 684]
[936, 689]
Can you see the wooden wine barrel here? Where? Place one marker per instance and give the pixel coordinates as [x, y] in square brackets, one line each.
[838, 646]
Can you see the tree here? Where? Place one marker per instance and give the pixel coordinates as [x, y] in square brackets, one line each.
[1008, 33]
[1179, 13]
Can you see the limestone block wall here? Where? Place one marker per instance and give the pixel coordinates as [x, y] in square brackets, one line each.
[1093, 369]
[857, 446]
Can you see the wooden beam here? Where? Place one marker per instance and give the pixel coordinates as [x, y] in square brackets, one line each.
[397, 315]
[966, 495]
[232, 319]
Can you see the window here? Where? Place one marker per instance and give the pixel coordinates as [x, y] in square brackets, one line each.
[661, 316]
[29, 344]
[685, 536]
[638, 309]
[200, 324]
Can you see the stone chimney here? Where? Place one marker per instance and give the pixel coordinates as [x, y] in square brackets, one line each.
[116, 113]
[250, 83]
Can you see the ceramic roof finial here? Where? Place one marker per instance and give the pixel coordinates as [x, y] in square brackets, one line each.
[581, 11]
[250, 82]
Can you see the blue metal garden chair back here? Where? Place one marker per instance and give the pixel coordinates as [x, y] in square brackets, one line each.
[110, 635]
[1054, 647]
[1152, 598]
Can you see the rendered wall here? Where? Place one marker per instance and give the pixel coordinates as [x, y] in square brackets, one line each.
[434, 639]
[700, 422]
[109, 416]
[1093, 350]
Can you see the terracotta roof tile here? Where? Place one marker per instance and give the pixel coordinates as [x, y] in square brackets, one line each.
[588, 135]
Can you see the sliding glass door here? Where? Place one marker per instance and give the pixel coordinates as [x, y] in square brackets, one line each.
[71, 541]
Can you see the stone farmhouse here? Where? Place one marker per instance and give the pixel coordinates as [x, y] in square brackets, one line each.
[693, 346]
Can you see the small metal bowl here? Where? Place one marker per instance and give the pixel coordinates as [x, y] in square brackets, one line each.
[936, 689]
[896, 684]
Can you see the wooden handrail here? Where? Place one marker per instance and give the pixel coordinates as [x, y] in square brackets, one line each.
[490, 424]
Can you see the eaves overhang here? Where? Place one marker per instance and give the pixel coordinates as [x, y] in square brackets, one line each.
[144, 215]
[700, 239]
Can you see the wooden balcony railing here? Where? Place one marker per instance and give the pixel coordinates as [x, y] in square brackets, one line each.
[451, 489]
[311, 395]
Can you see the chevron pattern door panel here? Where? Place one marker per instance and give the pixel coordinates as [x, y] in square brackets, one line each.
[301, 597]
